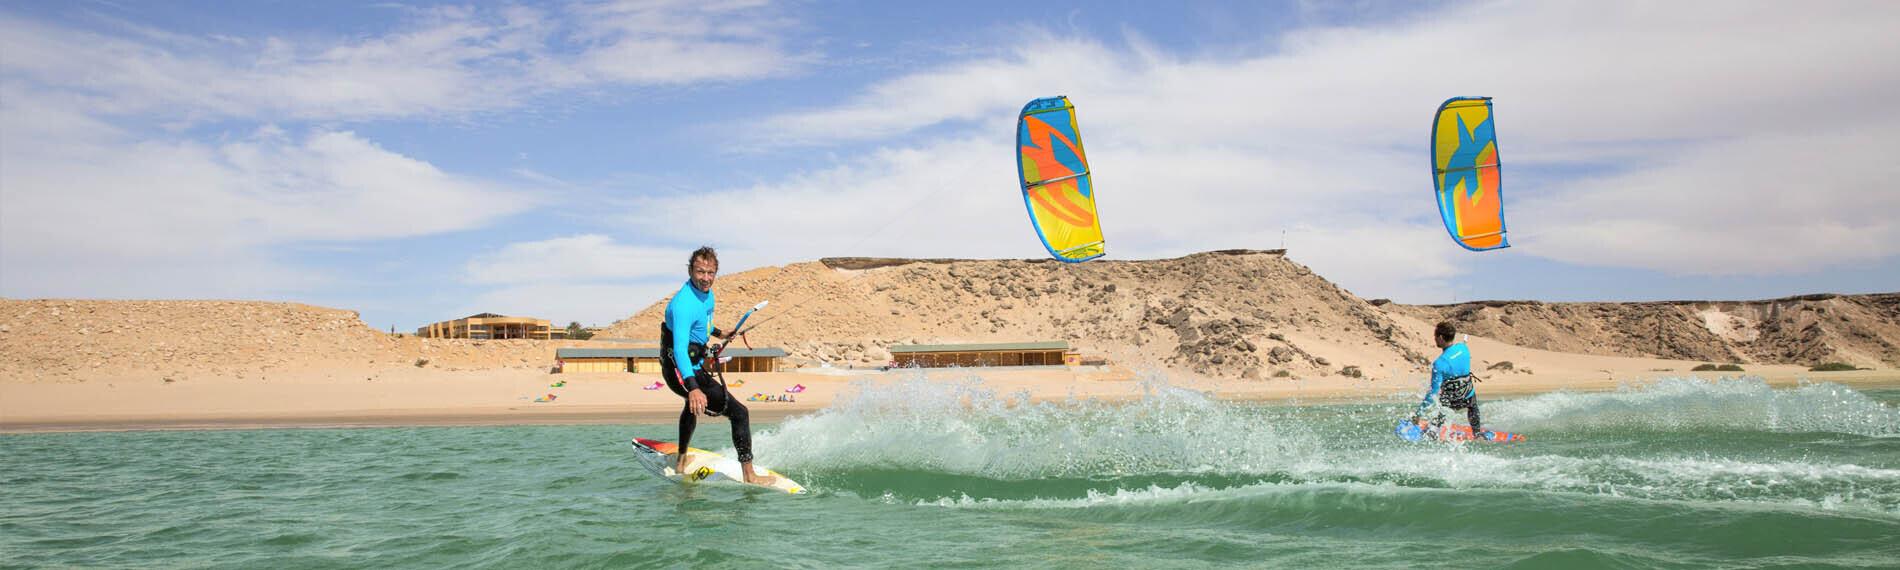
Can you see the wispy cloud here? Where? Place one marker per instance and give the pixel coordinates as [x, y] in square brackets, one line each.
[1774, 203]
[590, 277]
[107, 174]
[73, 203]
[679, 41]
[587, 303]
[574, 258]
[1691, 130]
[445, 62]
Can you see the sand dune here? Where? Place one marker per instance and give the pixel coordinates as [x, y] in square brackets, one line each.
[1242, 324]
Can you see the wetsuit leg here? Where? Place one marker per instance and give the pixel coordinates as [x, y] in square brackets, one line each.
[688, 421]
[721, 402]
[1471, 413]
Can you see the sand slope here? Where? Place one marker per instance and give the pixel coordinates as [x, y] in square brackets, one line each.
[1240, 323]
[1229, 314]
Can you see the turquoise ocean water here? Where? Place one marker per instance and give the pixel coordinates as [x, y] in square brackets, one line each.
[1680, 473]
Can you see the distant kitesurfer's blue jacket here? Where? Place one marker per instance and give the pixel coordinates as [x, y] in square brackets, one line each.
[1453, 363]
[689, 318]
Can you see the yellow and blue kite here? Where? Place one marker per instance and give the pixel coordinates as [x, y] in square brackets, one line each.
[1055, 180]
[1465, 173]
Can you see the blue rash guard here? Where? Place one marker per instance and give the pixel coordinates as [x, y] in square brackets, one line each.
[683, 334]
[689, 319]
[1453, 363]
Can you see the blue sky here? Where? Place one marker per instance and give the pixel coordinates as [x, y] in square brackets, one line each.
[418, 162]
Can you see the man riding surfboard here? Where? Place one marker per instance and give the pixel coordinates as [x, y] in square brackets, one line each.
[683, 363]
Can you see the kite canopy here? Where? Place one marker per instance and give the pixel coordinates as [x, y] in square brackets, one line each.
[1055, 178]
[1465, 173]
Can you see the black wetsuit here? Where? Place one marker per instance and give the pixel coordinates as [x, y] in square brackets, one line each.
[1459, 394]
[719, 402]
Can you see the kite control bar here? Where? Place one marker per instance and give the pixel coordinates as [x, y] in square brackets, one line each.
[738, 330]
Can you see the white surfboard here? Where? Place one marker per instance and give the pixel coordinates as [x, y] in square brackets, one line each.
[702, 466]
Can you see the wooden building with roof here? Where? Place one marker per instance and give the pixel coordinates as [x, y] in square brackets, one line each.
[647, 360]
[490, 326]
[1045, 353]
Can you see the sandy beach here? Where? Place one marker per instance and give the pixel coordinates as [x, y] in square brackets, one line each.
[419, 397]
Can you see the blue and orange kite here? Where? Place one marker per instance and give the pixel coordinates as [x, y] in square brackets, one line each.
[1465, 173]
[1055, 179]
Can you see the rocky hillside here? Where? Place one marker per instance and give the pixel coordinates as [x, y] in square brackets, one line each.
[1812, 329]
[1229, 314]
[1237, 313]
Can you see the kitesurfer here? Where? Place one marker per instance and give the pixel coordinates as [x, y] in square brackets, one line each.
[1452, 382]
[683, 352]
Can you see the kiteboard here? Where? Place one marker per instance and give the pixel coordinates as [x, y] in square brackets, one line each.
[1422, 430]
[702, 466]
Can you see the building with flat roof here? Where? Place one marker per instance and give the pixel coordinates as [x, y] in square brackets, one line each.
[647, 360]
[490, 326]
[1045, 353]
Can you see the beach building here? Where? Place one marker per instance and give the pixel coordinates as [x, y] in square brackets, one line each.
[490, 326]
[647, 360]
[1045, 353]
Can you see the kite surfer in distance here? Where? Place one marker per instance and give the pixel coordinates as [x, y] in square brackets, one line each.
[684, 335]
[1452, 382]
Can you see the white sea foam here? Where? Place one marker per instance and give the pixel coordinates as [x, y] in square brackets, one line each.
[1681, 404]
[1154, 495]
[963, 428]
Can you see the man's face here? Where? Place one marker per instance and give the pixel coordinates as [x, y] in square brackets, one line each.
[703, 272]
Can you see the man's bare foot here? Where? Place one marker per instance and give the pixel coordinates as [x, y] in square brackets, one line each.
[760, 480]
[679, 464]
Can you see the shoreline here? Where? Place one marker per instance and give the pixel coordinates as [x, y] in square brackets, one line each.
[183, 411]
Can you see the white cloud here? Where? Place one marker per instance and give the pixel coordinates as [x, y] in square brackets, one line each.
[590, 278]
[987, 91]
[587, 303]
[1763, 204]
[107, 191]
[1730, 153]
[89, 210]
[680, 41]
[1562, 72]
[575, 258]
[946, 199]
[443, 62]
[906, 202]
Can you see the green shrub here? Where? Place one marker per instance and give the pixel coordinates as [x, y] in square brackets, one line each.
[1282, 374]
[1832, 367]
[1717, 368]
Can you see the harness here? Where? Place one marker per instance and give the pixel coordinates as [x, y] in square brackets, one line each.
[707, 356]
[697, 351]
[1458, 392]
